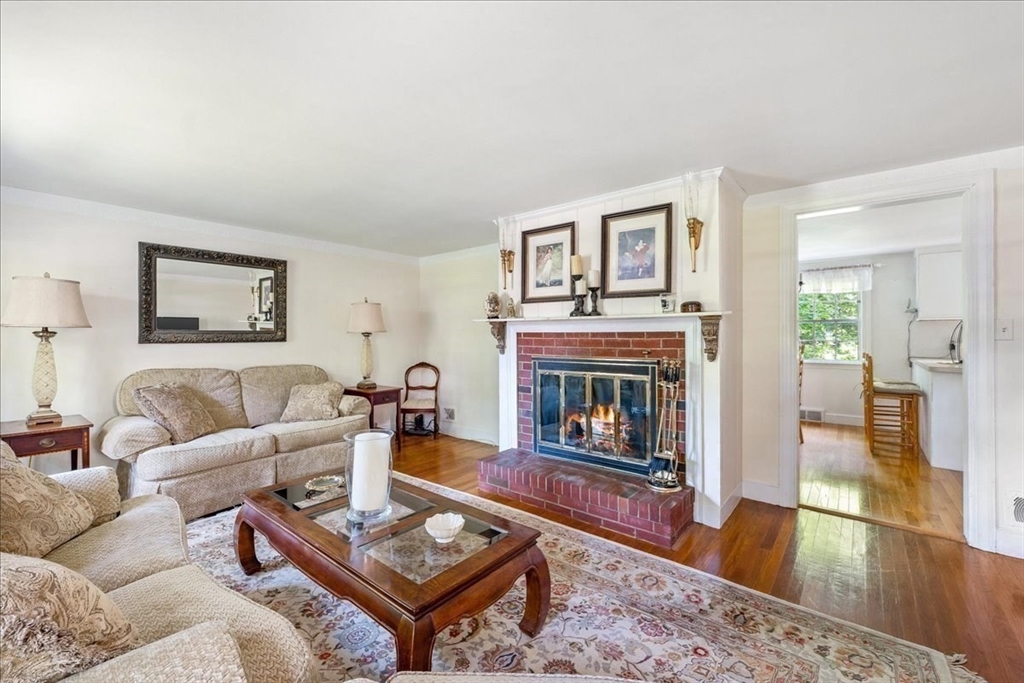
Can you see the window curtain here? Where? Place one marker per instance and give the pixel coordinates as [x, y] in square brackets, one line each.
[836, 280]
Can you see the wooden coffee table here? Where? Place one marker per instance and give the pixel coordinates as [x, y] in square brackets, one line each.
[394, 571]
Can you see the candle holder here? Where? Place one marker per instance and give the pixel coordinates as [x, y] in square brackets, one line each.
[368, 470]
[577, 299]
[593, 301]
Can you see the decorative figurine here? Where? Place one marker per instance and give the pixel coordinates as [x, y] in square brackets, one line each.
[510, 308]
[492, 305]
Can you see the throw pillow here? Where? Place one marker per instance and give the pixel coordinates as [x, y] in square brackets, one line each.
[37, 514]
[55, 621]
[175, 408]
[313, 402]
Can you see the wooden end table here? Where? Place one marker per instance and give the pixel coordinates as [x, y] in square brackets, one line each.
[394, 571]
[72, 434]
[382, 395]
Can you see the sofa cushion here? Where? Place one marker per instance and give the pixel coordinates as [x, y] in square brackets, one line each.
[37, 513]
[313, 402]
[218, 390]
[147, 537]
[55, 621]
[175, 408]
[272, 650]
[205, 453]
[99, 486]
[295, 436]
[265, 389]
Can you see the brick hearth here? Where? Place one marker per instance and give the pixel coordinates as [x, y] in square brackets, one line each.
[611, 500]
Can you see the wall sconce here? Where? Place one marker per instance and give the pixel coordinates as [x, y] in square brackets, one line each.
[695, 227]
[506, 233]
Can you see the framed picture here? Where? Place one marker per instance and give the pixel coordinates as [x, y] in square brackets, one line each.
[546, 253]
[636, 252]
[266, 293]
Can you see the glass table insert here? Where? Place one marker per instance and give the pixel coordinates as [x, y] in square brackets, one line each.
[414, 553]
[403, 504]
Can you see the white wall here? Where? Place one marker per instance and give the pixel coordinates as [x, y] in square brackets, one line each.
[452, 291]
[762, 244]
[97, 244]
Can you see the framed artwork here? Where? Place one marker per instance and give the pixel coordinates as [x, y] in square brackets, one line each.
[266, 293]
[636, 252]
[546, 253]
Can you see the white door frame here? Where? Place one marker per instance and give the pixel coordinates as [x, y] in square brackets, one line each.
[978, 192]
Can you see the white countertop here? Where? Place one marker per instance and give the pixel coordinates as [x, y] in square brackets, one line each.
[938, 365]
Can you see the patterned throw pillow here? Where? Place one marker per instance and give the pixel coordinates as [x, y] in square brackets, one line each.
[55, 621]
[175, 408]
[313, 402]
[37, 514]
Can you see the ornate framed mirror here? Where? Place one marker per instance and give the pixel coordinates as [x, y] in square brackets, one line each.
[193, 296]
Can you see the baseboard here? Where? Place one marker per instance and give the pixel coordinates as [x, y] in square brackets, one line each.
[765, 493]
[469, 433]
[849, 420]
[731, 502]
[713, 515]
[1010, 542]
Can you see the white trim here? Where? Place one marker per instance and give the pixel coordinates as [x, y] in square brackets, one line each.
[766, 493]
[657, 186]
[82, 207]
[1010, 542]
[460, 432]
[978, 190]
[841, 419]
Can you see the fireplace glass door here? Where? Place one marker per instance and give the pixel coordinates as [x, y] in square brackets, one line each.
[595, 410]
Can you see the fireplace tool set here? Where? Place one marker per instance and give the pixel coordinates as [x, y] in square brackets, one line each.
[662, 475]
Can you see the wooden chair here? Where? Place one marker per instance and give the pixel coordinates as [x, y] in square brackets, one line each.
[890, 414]
[421, 397]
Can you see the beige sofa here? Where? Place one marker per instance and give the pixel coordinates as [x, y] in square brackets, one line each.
[251, 448]
[192, 628]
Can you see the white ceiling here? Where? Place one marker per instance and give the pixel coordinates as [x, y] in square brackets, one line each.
[889, 229]
[407, 127]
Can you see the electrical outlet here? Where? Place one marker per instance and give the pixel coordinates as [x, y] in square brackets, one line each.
[1004, 329]
[449, 414]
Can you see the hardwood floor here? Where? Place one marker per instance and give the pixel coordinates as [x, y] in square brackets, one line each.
[924, 589]
[839, 475]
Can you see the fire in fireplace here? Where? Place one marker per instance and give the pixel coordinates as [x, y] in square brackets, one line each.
[601, 411]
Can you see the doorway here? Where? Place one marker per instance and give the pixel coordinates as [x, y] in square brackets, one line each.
[978, 196]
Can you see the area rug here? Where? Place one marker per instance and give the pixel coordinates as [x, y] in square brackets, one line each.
[615, 611]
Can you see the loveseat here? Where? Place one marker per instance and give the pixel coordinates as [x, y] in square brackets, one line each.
[185, 627]
[250, 448]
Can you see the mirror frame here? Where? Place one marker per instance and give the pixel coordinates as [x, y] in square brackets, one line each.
[148, 332]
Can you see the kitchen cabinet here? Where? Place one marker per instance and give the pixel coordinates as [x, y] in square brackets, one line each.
[943, 416]
[940, 283]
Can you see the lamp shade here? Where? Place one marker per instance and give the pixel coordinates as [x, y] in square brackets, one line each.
[366, 318]
[44, 302]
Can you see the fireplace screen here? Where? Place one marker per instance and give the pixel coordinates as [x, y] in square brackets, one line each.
[595, 410]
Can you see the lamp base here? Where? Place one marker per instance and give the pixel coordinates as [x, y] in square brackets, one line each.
[367, 384]
[44, 416]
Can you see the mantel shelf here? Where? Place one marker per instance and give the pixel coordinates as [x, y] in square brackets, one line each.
[709, 322]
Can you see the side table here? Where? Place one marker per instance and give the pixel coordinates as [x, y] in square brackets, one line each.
[380, 396]
[72, 434]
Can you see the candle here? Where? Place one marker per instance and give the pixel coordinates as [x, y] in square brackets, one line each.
[576, 265]
[580, 287]
[594, 278]
[370, 466]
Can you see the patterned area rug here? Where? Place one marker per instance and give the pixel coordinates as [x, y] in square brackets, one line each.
[614, 612]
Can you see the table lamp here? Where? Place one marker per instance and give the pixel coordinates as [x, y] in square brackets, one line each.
[44, 302]
[366, 318]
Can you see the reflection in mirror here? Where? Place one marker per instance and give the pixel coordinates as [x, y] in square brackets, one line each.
[193, 295]
[211, 296]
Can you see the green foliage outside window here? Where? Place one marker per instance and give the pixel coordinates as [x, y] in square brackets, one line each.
[830, 326]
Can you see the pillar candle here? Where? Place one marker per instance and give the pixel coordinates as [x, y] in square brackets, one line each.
[594, 278]
[580, 287]
[576, 265]
[370, 469]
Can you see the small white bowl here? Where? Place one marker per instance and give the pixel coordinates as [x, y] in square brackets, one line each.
[444, 528]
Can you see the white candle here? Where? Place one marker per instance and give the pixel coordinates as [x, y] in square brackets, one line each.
[594, 278]
[581, 286]
[371, 452]
[576, 265]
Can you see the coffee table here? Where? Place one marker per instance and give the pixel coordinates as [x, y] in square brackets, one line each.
[393, 570]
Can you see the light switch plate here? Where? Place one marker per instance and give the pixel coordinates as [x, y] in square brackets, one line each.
[1004, 329]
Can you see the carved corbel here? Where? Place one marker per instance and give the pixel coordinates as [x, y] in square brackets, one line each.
[709, 331]
[498, 332]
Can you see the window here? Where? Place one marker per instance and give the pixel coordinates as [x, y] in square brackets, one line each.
[830, 326]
